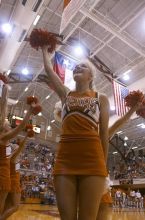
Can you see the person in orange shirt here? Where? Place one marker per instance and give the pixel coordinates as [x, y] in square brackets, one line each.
[14, 196]
[80, 167]
[5, 151]
[106, 201]
[5, 135]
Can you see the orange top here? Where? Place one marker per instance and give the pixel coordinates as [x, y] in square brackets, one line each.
[80, 115]
[12, 168]
[80, 151]
[5, 183]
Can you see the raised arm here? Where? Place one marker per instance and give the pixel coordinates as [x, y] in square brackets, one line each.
[14, 132]
[3, 106]
[18, 151]
[121, 121]
[58, 86]
[104, 120]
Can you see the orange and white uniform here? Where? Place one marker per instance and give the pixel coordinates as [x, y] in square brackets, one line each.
[15, 177]
[5, 182]
[80, 151]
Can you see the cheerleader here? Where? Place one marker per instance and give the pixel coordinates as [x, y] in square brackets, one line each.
[80, 166]
[104, 211]
[13, 199]
[5, 151]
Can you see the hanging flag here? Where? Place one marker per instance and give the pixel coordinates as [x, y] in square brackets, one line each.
[64, 66]
[71, 7]
[120, 92]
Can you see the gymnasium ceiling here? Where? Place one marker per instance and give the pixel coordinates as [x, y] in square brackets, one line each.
[113, 30]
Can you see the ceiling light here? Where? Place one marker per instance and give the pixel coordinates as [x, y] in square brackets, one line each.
[142, 125]
[40, 114]
[49, 128]
[126, 77]
[119, 132]
[19, 118]
[125, 144]
[115, 152]
[112, 108]
[126, 138]
[25, 71]
[7, 28]
[134, 147]
[52, 121]
[47, 97]
[36, 20]
[128, 71]
[25, 111]
[26, 89]
[8, 72]
[78, 50]
[139, 125]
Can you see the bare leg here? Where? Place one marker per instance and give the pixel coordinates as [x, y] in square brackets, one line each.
[3, 196]
[66, 195]
[90, 193]
[104, 212]
[12, 205]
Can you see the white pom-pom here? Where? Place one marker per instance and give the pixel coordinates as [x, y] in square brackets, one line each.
[57, 111]
[107, 185]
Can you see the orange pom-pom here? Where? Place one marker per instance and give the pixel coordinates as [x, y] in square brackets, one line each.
[31, 100]
[3, 78]
[36, 109]
[30, 133]
[133, 98]
[39, 38]
[29, 127]
[141, 111]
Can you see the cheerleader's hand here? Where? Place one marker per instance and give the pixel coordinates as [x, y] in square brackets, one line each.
[138, 106]
[36, 109]
[32, 100]
[30, 133]
[45, 50]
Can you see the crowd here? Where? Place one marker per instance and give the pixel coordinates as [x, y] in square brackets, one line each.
[130, 199]
[37, 157]
[36, 163]
[38, 186]
[134, 168]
